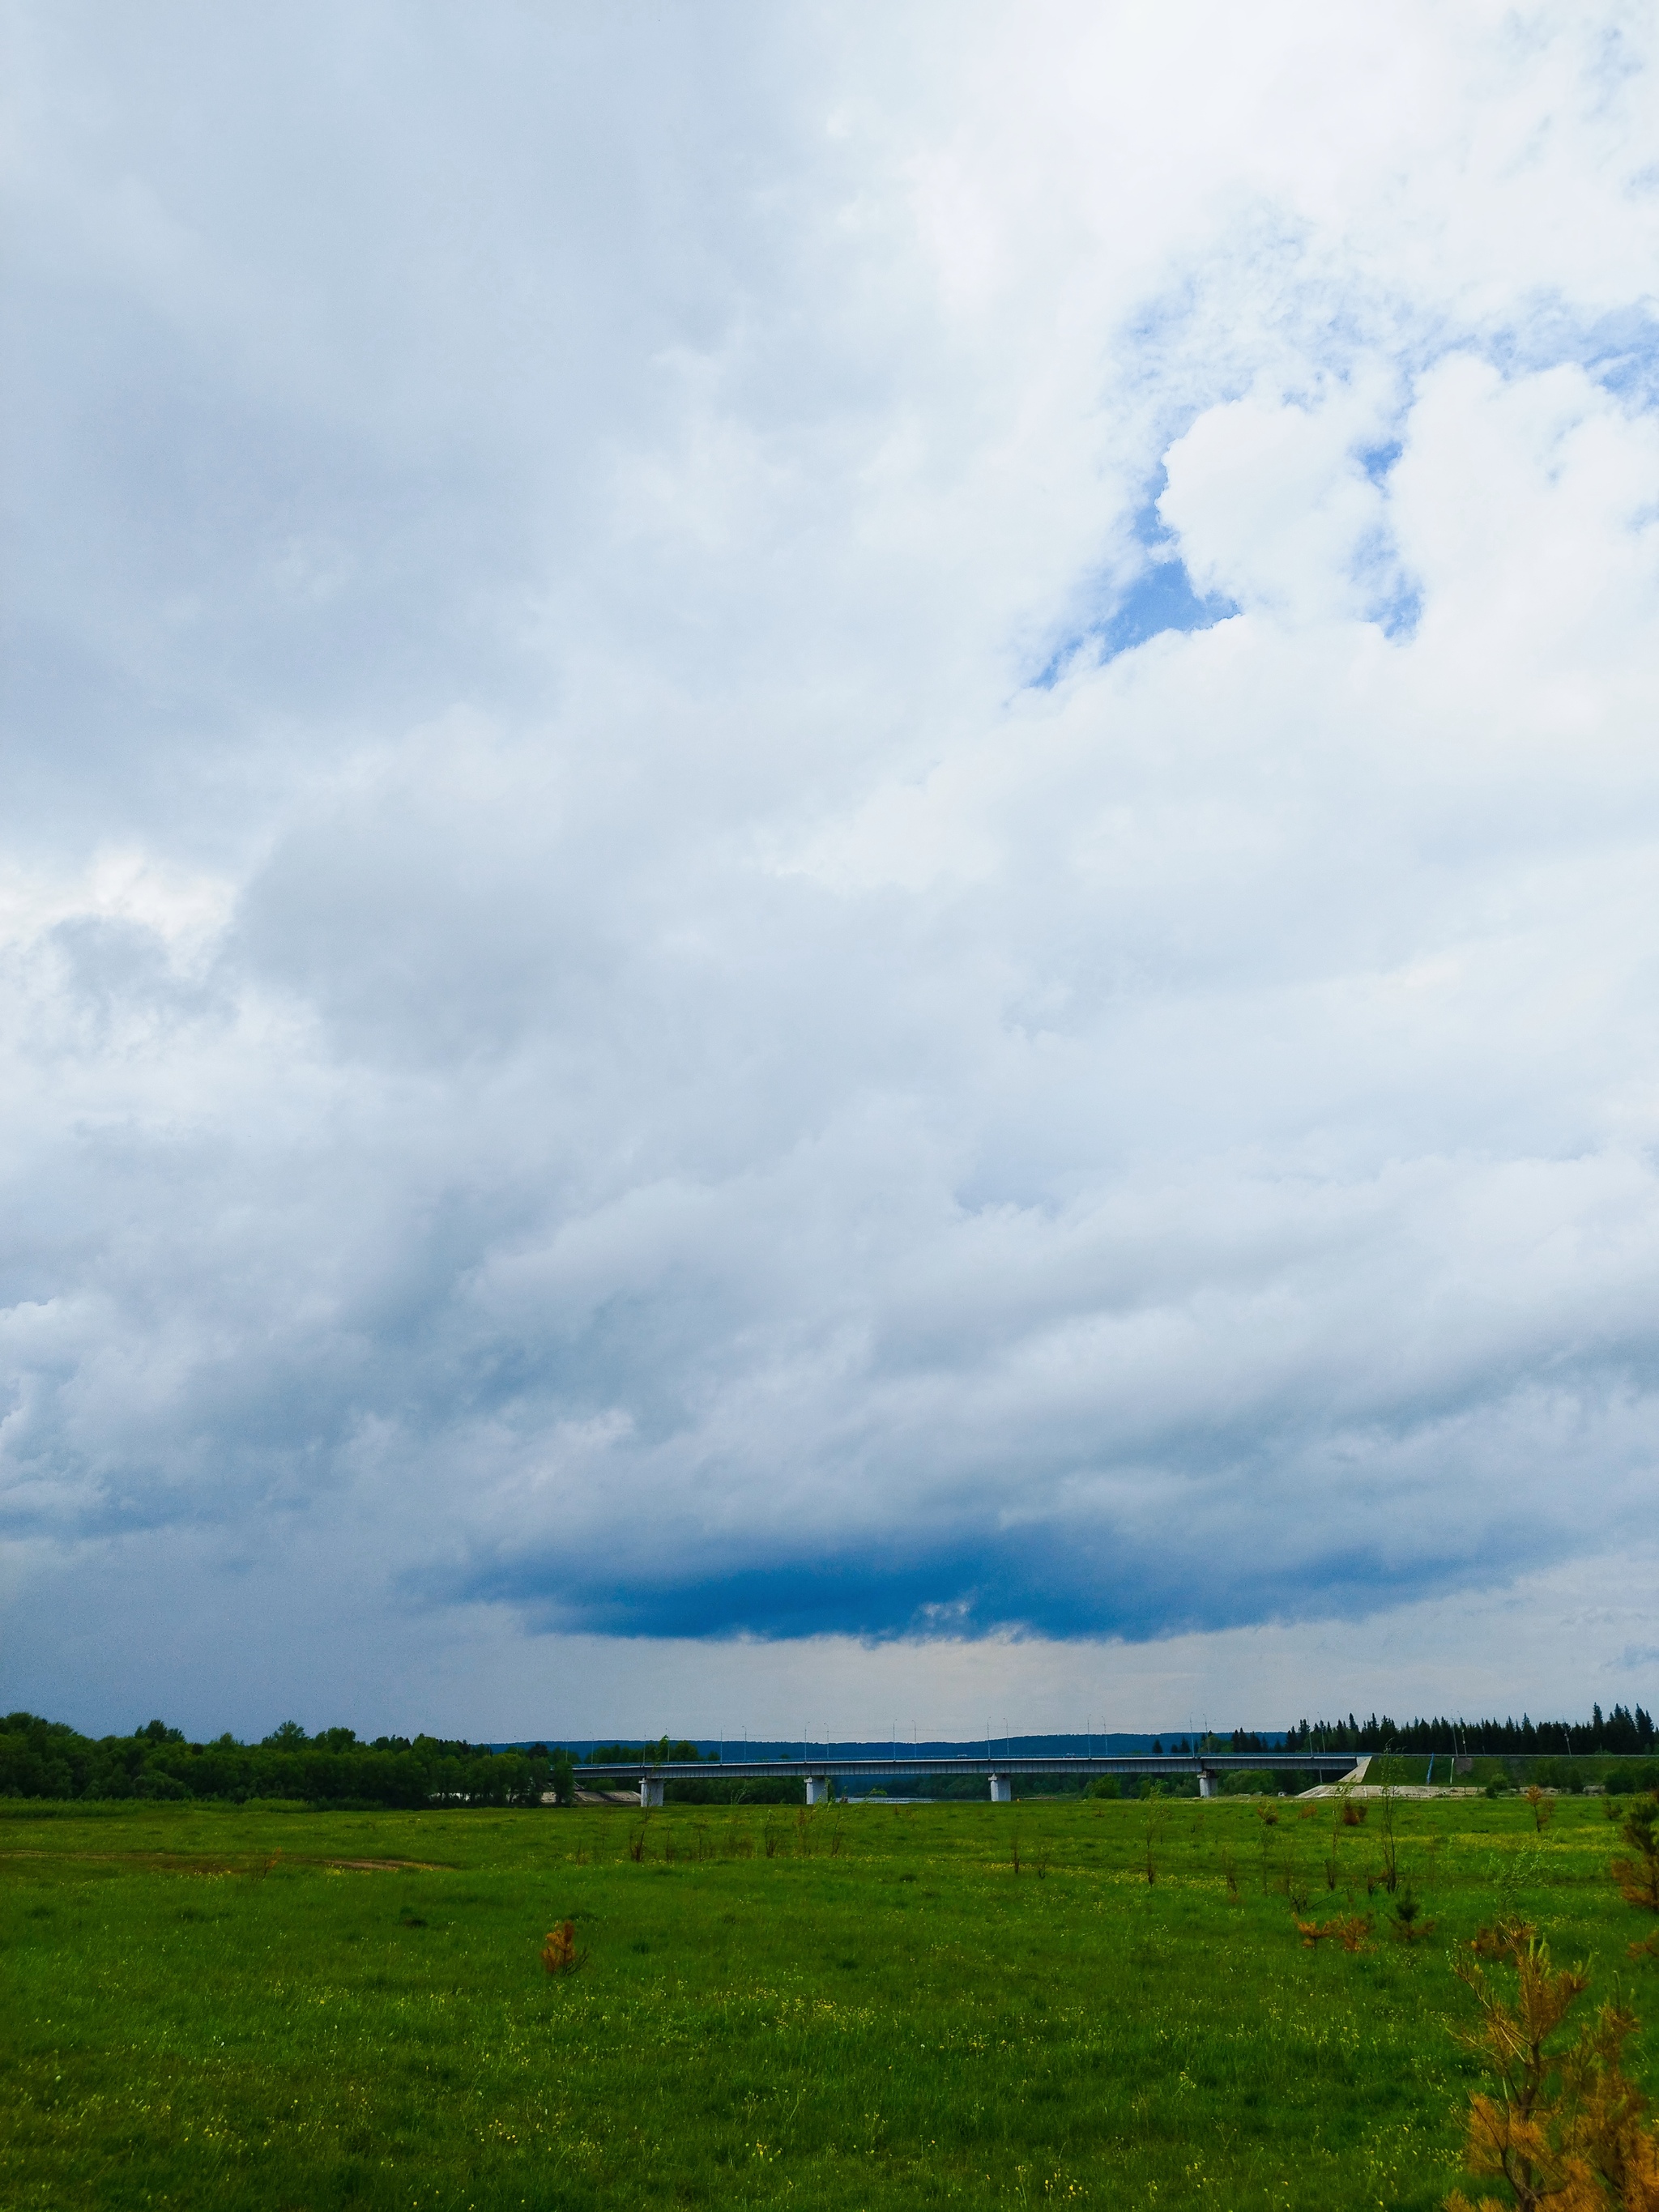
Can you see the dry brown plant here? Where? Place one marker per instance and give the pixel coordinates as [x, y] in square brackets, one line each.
[1565, 2130]
[1352, 1930]
[559, 1953]
[1353, 1816]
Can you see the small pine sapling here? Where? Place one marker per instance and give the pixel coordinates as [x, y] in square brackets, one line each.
[559, 1953]
[1638, 1875]
[1406, 1914]
[1269, 1821]
[1390, 1841]
[1543, 1808]
[1338, 1822]
[1565, 2130]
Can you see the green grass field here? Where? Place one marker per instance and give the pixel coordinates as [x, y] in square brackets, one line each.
[237, 2007]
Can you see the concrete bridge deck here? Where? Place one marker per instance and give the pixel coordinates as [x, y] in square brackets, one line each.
[818, 1771]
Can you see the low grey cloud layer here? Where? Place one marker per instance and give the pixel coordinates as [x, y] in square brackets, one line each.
[827, 823]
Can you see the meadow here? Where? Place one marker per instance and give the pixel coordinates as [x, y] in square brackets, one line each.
[264, 2007]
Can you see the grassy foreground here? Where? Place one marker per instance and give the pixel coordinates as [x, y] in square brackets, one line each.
[252, 2007]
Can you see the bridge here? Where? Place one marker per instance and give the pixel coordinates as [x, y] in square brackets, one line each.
[1001, 1773]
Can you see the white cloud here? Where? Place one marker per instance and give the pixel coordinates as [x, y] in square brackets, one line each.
[586, 1045]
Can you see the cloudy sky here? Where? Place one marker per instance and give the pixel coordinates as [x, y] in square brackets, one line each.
[828, 863]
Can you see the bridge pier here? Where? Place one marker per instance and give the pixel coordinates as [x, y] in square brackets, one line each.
[650, 1793]
[817, 1789]
[1002, 1789]
[1209, 1784]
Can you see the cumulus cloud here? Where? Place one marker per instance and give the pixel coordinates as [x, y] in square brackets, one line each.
[837, 830]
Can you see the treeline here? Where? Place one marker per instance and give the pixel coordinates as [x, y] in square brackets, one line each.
[1620, 1731]
[663, 1750]
[44, 1758]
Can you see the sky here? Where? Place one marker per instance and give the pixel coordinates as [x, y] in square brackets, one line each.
[828, 864]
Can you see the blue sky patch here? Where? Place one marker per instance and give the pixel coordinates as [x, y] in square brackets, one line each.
[1163, 599]
[1398, 615]
[1160, 599]
[1377, 460]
